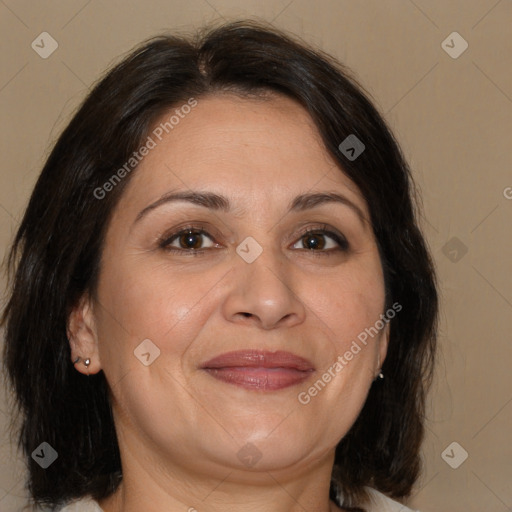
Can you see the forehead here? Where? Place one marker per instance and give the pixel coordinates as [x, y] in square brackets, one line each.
[269, 146]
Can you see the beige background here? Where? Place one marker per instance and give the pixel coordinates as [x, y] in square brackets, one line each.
[453, 119]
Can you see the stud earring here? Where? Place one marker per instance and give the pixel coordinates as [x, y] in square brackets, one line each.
[87, 361]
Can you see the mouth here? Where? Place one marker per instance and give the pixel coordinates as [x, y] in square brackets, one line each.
[259, 370]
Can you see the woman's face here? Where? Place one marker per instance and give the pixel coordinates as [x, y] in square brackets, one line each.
[246, 279]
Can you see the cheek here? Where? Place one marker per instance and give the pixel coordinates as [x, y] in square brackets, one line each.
[349, 306]
[167, 307]
[350, 302]
[152, 302]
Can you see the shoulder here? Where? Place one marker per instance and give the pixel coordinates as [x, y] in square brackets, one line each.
[381, 503]
[82, 505]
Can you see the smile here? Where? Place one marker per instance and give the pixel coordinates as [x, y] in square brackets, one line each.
[259, 370]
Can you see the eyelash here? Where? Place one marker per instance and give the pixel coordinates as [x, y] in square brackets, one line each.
[342, 242]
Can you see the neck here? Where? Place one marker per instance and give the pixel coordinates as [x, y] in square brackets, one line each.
[148, 486]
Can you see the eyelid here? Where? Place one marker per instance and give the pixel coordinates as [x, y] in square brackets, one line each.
[328, 231]
[201, 229]
[198, 228]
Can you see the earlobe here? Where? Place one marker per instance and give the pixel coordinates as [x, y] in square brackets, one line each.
[86, 361]
[382, 352]
[82, 337]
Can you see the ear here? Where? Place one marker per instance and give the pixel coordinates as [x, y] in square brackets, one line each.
[82, 336]
[383, 349]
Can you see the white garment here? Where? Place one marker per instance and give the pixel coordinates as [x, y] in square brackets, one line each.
[83, 505]
[379, 503]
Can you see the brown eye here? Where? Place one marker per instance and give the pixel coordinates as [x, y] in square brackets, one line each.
[314, 241]
[187, 240]
[190, 240]
[322, 241]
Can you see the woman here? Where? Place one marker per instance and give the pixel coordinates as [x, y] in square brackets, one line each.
[221, 299]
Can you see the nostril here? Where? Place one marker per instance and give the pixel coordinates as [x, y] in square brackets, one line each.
[246, 314]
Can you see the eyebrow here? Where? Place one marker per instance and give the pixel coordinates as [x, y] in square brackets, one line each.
[221, 203]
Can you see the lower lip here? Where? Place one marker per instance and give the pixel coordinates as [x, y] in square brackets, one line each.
[265, 379]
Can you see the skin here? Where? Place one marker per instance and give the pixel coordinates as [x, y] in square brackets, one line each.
[179, 429]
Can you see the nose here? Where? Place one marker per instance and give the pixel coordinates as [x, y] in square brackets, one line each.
[262, 293]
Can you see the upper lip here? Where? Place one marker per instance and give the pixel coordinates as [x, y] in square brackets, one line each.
[259, 359]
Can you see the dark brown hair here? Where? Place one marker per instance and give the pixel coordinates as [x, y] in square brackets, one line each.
[55, 256]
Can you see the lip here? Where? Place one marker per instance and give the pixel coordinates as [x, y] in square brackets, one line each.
[259, 370]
